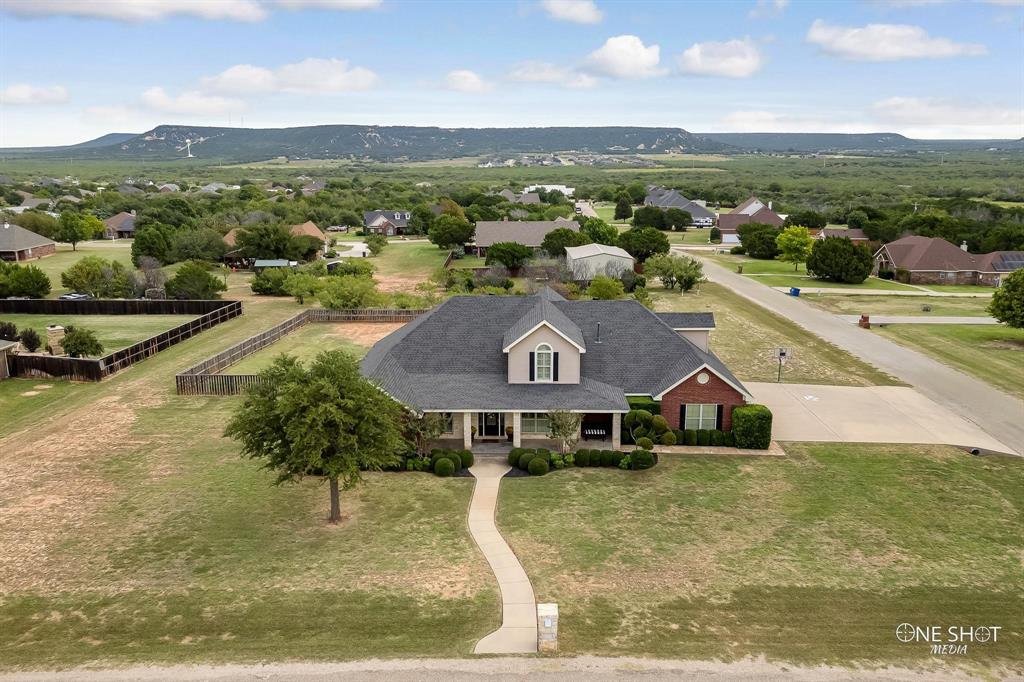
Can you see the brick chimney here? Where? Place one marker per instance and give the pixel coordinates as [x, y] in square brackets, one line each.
[963, 246]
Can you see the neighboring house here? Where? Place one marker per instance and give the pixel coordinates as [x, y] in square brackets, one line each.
[261, 264]
[931, 260]
[750, 211]
[490, 362]
[388, 223]
[526, 232]
[130, 190]
[17, 244]
[590, 260]
[308, 229]
[213, 187]
[169, 187]
[120, 226]
[567, 191]
[854, 234]
[669, 198]
[312, 188]
[31, 201]
[524, 198]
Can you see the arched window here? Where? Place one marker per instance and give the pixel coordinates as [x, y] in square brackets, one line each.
[543, 362]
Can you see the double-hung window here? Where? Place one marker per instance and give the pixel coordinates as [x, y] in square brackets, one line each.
[535, 422]
[701, 416]
[543, 360]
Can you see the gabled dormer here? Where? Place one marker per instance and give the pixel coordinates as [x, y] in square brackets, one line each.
[544, 347]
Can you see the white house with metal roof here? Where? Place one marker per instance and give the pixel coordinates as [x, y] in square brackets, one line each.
[590, 260]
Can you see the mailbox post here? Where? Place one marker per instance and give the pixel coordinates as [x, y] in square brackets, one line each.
[547, 627]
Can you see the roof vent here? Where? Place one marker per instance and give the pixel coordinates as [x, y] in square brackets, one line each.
[598, 339]
[963, 246]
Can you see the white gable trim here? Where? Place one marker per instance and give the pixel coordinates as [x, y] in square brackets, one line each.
[543, 323]
[711, 369]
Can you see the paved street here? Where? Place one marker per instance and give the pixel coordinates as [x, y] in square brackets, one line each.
[586, 209]
[999, 414]
[838, 291]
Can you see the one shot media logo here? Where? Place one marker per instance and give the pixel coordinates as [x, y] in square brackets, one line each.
[951, 640]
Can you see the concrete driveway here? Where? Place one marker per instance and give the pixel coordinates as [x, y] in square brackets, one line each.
[873, 414]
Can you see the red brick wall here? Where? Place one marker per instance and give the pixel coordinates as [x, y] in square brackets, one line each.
[38, 252]
[715, 391]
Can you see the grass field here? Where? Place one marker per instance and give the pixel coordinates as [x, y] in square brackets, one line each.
[746, 336]
[774, 273]
[993, 353]
[113, 331]
[844, 304]
[401, 266]
[959, 289]
[306, 342]
[169, 547]
[119, 251]
[812, 558]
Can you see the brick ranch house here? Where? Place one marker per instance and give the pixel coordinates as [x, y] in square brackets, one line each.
[387, 223]
[529, 233]
[931, 260]
[19, 244]
[491, 362]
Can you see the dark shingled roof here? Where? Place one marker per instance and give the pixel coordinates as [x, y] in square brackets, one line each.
[544, 311]
[17, 238]
[451, 357]
[688, 320]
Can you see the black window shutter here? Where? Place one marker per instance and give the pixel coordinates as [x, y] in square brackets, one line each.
[532, 377]
[718, 417]
[554, 371]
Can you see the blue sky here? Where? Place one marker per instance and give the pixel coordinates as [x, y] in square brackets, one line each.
[71, 70]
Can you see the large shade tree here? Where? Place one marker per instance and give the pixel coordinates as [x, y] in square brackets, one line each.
[324, 421]
[1007, 304]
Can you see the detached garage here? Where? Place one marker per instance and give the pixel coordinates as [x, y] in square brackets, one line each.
[590, 260]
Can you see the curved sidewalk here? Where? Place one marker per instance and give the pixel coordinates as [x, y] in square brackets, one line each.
[518, 631]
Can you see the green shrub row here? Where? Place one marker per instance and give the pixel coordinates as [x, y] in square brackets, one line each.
[713, 437]
[442, 462]
[538, 461]
[752, 426]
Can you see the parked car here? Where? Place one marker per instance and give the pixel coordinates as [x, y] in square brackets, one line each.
[75, 296]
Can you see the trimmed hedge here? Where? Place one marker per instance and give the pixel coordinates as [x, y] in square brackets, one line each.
[583, 458]
[645, 443]
[467, 458]
[716, 437]
[704, 437]
[752, 426]
[690, 437]
[538, 467]
[729, 439]
[514, 455]
[668, 438]
[641, 459]
[526, 458]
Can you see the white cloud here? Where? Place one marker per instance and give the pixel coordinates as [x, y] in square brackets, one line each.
[310, 76]
[945, 118]
[189, 103]
[546, 72]
[464, 80]
[345, 5]
[759, 121]
[626, 56]
[138, 10]
[886, 43]
[23, 94]
[731, 59]
[576, 11]
[768, 8]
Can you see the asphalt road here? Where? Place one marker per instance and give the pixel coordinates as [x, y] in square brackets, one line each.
[997, 413]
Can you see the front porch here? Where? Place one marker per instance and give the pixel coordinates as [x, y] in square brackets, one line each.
[473, 430]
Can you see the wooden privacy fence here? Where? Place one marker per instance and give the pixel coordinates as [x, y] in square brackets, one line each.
[204, 379]
[211, 313]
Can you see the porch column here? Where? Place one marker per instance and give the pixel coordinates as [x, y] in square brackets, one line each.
[467, 430]
[517, 429]
[616, 431]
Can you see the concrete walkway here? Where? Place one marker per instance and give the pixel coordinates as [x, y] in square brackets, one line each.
[997, 413]
[518, 631]
[922, 319]
[866, 414]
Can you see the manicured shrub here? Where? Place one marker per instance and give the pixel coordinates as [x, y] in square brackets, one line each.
[524, 459]
[716, 437]
[668, 438]
[644, 443]
[456, 459]
[538, 466]
[728, 439]
[704, 437]
[570, 460]
[752, 426]
[680, 436]
[467, 458]
[625, 462]
[641, 459]
[690, 437]
[444, 467]
[583, 458]
[606, 458]
[544, 454]
[436, 455]
[659, 424]
[514, 455]
[29, 338]
[737, 250]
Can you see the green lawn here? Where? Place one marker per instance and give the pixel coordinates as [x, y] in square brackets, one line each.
[113, 331]
[812, 558]
[747, 335]
[993, 353]
[119, 251]
[849, 304]
[132, 532]
[774, 273]
[304, 343]
[469, 262]
[959, 289]
[403, 265]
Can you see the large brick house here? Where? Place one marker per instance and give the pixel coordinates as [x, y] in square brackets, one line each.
[931, 260]
[753, 210]
[491, 362]
[388, 223]
[19, 244]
